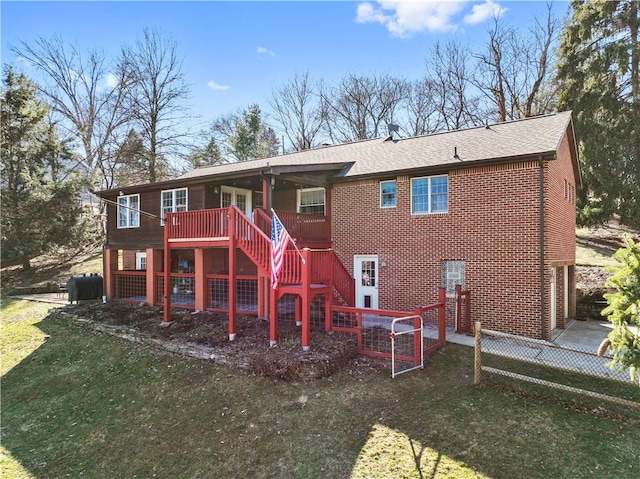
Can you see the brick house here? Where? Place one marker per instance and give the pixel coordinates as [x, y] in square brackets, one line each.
[382, 224]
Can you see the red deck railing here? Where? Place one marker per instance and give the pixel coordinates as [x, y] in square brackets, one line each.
[306, 227]
[214, 223]
[198, 224]
[255, 243]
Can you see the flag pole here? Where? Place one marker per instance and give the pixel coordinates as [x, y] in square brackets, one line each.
[292, 240]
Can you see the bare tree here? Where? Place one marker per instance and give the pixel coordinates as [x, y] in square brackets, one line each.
[422, 113]
[297, 109]
[359, 107]
[457, 102]
[156, 100]
[514, 70]
[87, 94]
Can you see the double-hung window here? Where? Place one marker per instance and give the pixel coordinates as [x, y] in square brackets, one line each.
[429, 195]
[173, 201]
[129, 211]
[311, 200]
[388, 194]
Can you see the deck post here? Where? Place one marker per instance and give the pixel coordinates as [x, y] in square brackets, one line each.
[273, 315]
[202, 265]
[167, 271]
[297, 309]
[154, 265]
[232, 274]
[110, 259]
[263, 295]
[306, 300]
[328, 302]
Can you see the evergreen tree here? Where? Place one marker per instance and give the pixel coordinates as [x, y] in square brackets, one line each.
[624, 310]
[206, 155]
[40, 197]
[599, 75]
[245, 136]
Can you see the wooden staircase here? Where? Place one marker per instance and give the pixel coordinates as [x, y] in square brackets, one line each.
[226, 226]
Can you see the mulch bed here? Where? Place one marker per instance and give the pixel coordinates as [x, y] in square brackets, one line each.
[329, 352]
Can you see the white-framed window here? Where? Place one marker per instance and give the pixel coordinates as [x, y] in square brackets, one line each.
[173, 201]
[453, 273]
[129, 211]
[141, 260]
[311, 200]
[429, 194]
[388, 194]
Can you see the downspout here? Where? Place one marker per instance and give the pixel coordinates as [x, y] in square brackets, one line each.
[541, 229]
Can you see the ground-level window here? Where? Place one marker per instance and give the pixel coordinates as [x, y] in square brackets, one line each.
[173, 201]
[129, 211]
[429, 194]
[141, 260]
[453, 274]
[311, 201]
[388, 198]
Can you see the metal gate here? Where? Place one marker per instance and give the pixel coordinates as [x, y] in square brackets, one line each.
[407, 351]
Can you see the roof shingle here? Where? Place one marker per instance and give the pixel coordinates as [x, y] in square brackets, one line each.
[509, 140]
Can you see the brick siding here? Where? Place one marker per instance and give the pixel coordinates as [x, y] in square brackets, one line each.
[492, 225]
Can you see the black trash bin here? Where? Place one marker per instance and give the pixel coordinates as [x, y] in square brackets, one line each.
[85, 287]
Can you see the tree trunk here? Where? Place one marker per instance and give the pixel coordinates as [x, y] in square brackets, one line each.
[26, 263]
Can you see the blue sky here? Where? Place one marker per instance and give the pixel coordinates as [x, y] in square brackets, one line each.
[235, 53]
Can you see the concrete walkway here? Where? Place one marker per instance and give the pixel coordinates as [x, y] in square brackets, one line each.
[54, 298]
[583, 335]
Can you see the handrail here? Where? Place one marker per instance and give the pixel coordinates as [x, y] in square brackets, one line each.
[262, 221]
[251, 239]
[343, 282]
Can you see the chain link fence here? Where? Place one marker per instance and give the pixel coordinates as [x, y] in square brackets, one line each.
[553, 366]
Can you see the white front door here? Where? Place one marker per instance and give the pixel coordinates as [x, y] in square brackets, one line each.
[239, 197]
[365, 269]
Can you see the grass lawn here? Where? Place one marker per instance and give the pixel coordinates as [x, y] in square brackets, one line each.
[84, 404]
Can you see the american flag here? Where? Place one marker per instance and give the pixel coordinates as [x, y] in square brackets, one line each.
[279, 241]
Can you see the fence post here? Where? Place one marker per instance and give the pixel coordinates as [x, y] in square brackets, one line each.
[477, 363]
[417, 338]
[467, 308]
[442, 316]
[456, 317]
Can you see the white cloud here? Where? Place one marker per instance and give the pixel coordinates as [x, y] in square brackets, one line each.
[481, 12]
[403, 18]
[111, 80]
[265, 51]
[216, 86]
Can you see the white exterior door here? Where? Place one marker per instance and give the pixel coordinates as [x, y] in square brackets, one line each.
[365, 269]
[236, 197]
[141, 260]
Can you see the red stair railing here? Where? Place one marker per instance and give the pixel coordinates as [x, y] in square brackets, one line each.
[343, 282]
[262, 221]
[251, 239]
